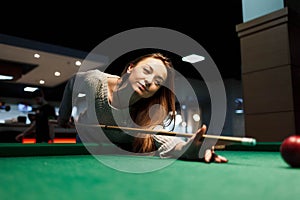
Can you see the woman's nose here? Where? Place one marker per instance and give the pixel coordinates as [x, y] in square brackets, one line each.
[148, 81]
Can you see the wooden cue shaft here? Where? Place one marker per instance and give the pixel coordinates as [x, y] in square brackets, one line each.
[243, 140]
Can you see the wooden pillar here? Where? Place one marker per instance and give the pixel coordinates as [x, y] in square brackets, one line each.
[270, 59]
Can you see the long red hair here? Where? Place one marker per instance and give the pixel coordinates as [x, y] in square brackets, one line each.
[146, 113]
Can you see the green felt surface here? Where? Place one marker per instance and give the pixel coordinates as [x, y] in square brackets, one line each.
[247, 175]
[43, 149]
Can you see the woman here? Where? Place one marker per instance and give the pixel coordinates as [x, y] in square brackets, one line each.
[142, 97]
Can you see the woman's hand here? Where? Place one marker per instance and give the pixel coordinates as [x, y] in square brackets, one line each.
[195, 149]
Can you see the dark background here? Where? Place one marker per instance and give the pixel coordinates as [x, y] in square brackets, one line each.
[84, 25]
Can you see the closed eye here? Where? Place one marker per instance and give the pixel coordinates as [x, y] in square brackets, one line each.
[159, 81]
[147, 70]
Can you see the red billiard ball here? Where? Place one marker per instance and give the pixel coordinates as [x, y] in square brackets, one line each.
[290, 150]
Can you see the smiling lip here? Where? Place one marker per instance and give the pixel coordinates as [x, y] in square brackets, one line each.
[142, 87]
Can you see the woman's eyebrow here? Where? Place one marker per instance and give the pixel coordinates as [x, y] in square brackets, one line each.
[151, 68]
[157, 76]
[161, 78]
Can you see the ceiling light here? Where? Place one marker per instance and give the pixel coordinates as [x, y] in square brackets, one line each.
[30, 89]
[57, 73]
[36, 55]
[5, 77]
[42, 82]
[193, 58]
[77, 63]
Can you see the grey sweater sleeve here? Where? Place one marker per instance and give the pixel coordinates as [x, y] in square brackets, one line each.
[65, 107]
[70, 94]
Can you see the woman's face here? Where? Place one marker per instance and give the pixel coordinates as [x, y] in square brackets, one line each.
[147, 76]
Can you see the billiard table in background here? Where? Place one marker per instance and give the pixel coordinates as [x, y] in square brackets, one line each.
[9, 131]
[69, 171]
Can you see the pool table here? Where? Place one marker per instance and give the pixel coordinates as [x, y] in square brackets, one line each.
[69, 171]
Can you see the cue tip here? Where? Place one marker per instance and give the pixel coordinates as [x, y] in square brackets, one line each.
[249, 141]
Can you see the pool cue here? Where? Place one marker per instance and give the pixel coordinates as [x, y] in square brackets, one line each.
[242, 140]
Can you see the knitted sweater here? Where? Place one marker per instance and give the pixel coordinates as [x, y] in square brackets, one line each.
[95, 108]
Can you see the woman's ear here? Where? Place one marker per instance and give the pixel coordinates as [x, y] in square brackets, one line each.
[129, 69]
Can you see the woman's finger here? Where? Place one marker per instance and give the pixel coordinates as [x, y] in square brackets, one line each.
[220, 159]
[208, 155]
[200, 132]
